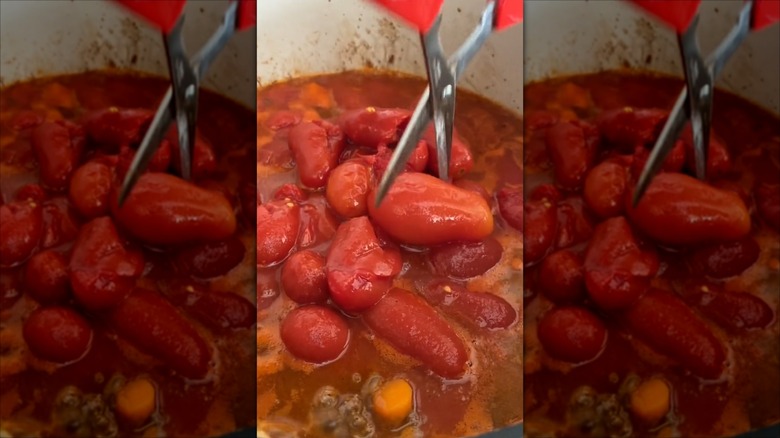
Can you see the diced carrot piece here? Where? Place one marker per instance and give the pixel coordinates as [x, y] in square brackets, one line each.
[650, 400]
[136, 401]
[393, 401]
[316, 95]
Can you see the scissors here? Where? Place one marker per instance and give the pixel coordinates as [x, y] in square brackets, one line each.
[181, 100]
[695, 100]
[438, 100]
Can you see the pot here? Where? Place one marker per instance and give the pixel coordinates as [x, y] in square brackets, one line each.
[579, 36]
[309, 37]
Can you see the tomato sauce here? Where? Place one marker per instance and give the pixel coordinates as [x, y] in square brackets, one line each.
[109, 327]
[353, 297]
[659, 320]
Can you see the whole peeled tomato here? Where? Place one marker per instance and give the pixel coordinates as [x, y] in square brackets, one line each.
[678, 209]
[572, 334]
[315, 334]
[420, 209]
[57, 334]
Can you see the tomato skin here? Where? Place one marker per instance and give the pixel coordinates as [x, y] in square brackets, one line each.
[541, 225]
[678, 209]
[155, 326]
[102, 270]
[418, 162]
[283, 119]
[414, 328]
[461, 160]
[669, 326]
[561, 276]
[46, 277]
[727, 259]
[57, 334]
[277, 231]
[627, 127]
[212, 259]
[479, 310]
[420, 209]
[316, 147]
[768, 203]
[510, 205]
[163, 209]
[571, 147]
[90, 188]
[734, 311]
[304, 278]
[371, 126]
[605, 188]
[572, 334]
[112, 128]
[315, 334]
[347, 189]
[290, 192]
[31, 192]
[268, 289]
[359, 270]
[59, 223]
[21, 231]
[466, 259]
[318, 223]
[57, 147]
[617, 270]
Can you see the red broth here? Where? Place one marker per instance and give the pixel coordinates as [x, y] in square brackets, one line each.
[639, 323]
[436, 309]
[122, 322]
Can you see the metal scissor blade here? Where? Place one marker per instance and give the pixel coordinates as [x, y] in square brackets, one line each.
[442, 83]
[699, 86]
[421, 116]
[664, 145]
[151, 141]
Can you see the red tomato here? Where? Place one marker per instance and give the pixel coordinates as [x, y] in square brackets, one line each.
[541, 224]
[59, 223]
[102, 270]
[318, 224]
[722, 260]
[316, 147]
[290, 192]
[628, 127]
[420, 209]
[461, 160]
[480, 310]
[475, 187]
[315, 334]
[572, 334]
[667, 325]
[575, 225]
[768, 203]
[674, 162]
[46, 277]
[155, 326]
[277, 231]
[418, 162]
[359, 270]
[26, 119]
[218, 310]
[57, 334]
[617, 270]
[283, 119]
[57, 147]
[678, 209]
[510, 205]
[112, 128]
[466, 259]
[572, 148]
[31, 192]
[21, 231]
[734, 311]
[90, 188]
[371, 126]
[163, 209]
[212, 259]
[268, 289]
[160, 161]
[304, 278]
[413, 327]
[347, 189]
[605, 188]
[561, 277]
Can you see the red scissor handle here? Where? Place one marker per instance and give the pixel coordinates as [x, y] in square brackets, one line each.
[246, 15]
[161, 13]
[419, 13]
[508, 13]
[765, 13]
[677, 14]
